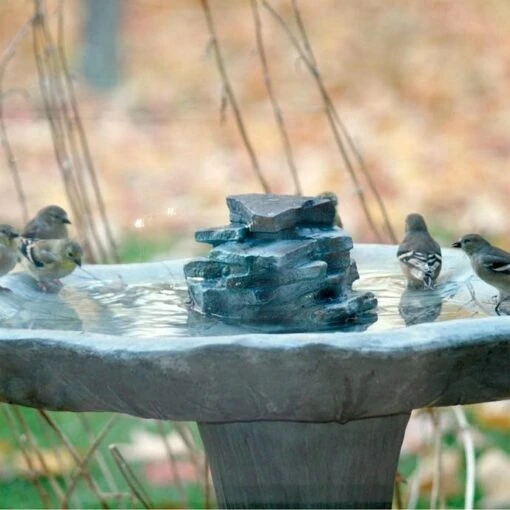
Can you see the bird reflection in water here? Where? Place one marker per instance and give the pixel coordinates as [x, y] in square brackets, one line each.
[420, 305]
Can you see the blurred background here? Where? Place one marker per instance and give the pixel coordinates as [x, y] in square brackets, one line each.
[422, 88]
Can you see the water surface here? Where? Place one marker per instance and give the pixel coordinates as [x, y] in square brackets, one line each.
[150, 300]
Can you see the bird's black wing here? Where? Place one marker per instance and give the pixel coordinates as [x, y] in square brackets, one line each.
[497, 262]
[26, 248]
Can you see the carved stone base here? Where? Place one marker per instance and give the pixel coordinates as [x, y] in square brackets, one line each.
[305, 465]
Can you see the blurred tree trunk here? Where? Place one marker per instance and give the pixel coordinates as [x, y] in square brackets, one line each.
[101, 59]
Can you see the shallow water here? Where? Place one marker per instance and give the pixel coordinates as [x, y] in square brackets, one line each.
[127, 303]
[160, 310]
[157, 310]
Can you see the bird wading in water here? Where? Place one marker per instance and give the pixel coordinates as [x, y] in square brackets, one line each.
[491, 264]
[419, 254]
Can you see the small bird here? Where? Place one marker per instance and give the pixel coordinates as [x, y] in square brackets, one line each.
[419, 254]
[8, 249]
[48, 260]
[490, 263]
[330, 195]
[49, 223]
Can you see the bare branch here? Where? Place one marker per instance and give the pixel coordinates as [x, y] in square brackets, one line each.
[328, 111]
[57, 112]
[10, 157]
[231, 96]
[89, 162]
[34, 448]
[75, 455]
[82, 465]
[51, 111]
[436, 492]
[344, 130]
[131, 479]
[274, 102]
[43, 494]
[469, 452]
[173, 462]
[105, 470]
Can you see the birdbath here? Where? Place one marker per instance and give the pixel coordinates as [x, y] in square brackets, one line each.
[288, 420]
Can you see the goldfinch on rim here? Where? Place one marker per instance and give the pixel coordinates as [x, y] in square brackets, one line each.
[49, 223]
[8, 249]
[419, 254]
[48, 260]
[490, 263]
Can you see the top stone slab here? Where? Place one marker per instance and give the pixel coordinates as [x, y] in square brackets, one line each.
[273, 213]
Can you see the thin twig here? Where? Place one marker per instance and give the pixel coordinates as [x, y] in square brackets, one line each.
[343, 128]
[76, 456]
[197, 457]
[57, 489]
[231, 96]
[280, 122]
[131, 479]
[303, 32]
[56, 109]
[331, 119]
[50, 110]
[368, 177]
[82, 465]
[173, 462]
[121, 497]
[469, 452]
[69, 140]
[43, 494]
[436, 491]
[103, 465]
[89, 162]
[68, 124]
[64, 468]
[10, 157]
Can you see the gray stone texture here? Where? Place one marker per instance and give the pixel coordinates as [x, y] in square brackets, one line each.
[272, 213]
[280, 263]
[220, 235]
[312, 377]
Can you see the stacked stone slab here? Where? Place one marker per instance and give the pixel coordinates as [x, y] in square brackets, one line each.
[281, 263]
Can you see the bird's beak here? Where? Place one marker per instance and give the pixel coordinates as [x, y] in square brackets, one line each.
[456, 244]
[78, 261]
[13, 235]
[66, 220]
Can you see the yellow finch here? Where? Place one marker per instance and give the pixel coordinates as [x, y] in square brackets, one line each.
[48, 260]
[8, 249]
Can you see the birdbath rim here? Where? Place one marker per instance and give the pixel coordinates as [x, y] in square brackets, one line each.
[311, 377]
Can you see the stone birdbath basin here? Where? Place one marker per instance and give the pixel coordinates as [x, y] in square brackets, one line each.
[288, 420]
